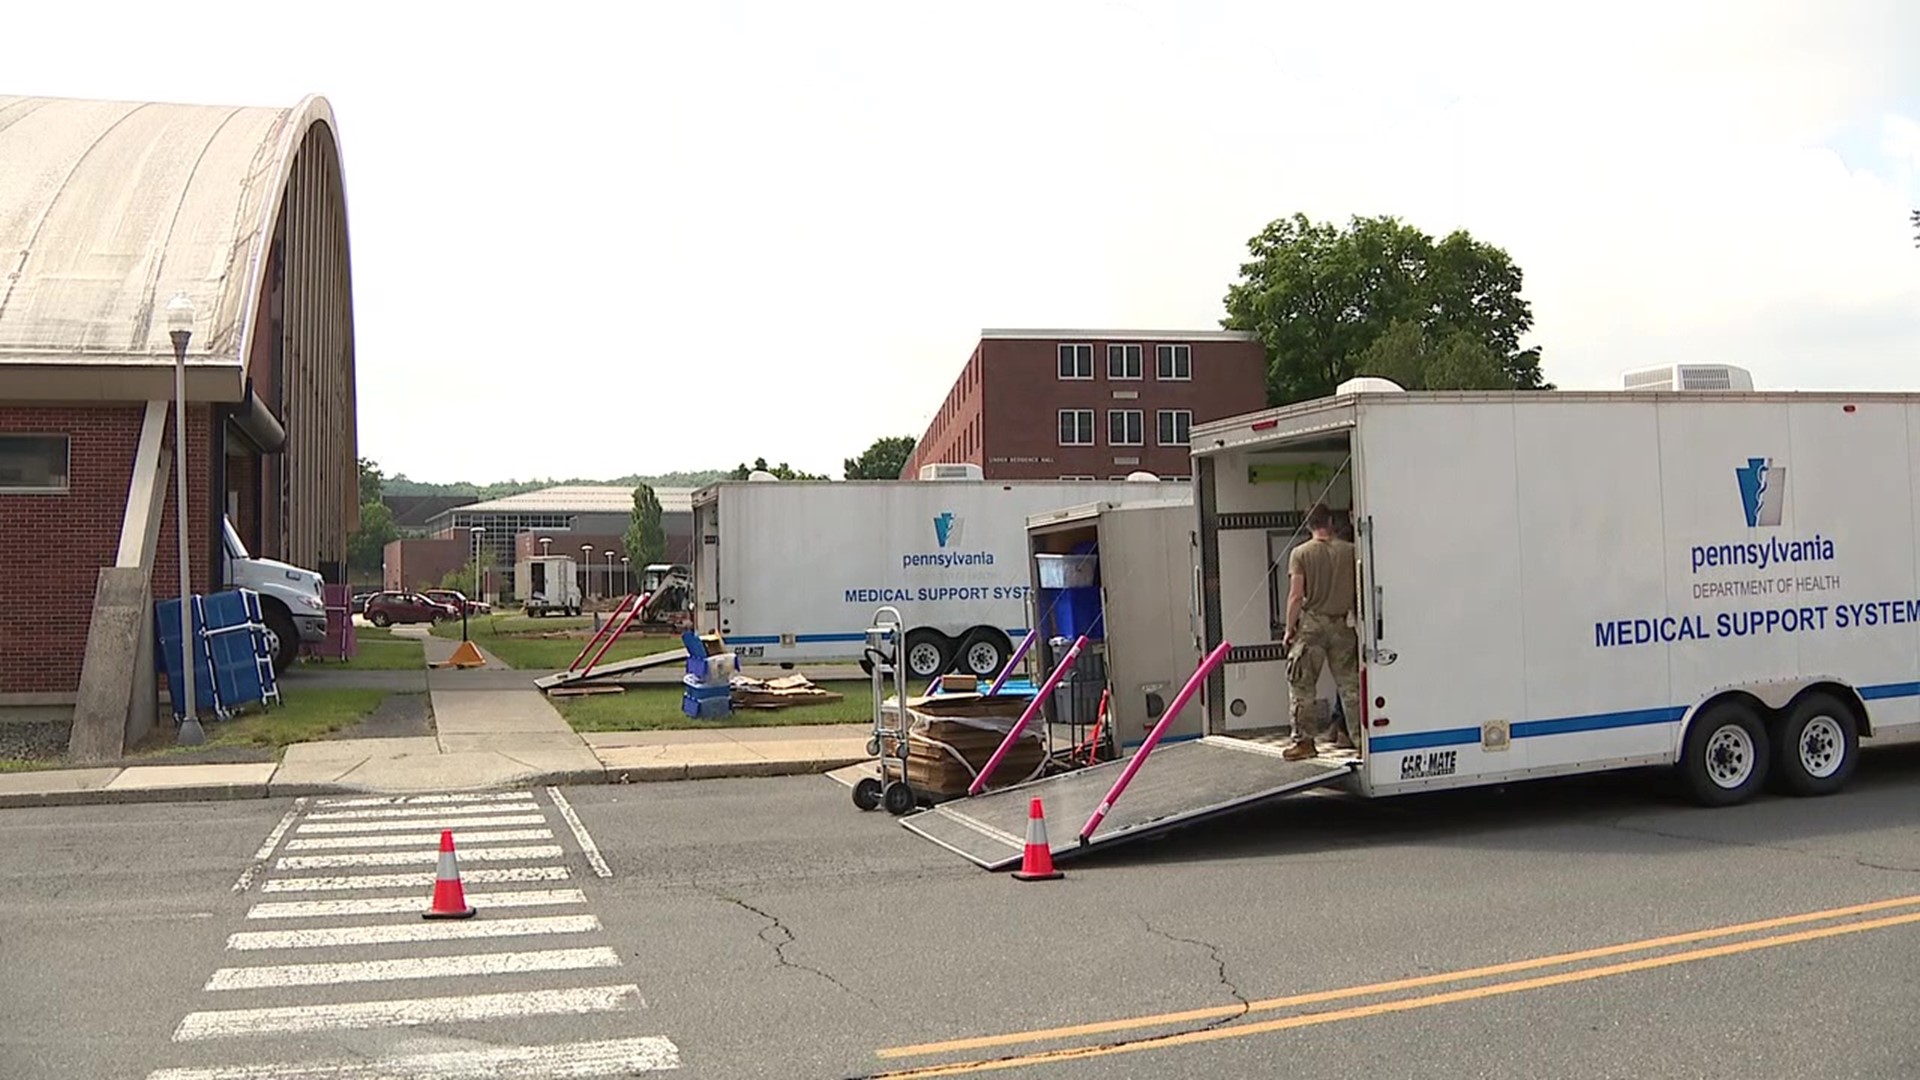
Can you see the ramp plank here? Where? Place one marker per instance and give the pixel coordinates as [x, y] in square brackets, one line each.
[1179, 783]
[608, 671]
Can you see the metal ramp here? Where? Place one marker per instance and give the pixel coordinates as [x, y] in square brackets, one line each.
[1179, 783]
[613, 670]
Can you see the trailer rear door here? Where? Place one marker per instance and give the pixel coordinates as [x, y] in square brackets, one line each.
[1179, 783]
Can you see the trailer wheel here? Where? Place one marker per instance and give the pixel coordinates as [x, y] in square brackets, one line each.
[866, 794]
[1819, 744]
[929, 653]
[1727, 754]
[899, 798]
[985, 652]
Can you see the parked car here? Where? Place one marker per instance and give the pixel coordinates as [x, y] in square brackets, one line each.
[390, 608]
[458, 601]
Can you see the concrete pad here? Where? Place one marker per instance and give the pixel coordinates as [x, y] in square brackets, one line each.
[810, 749]
[146, 783]
[53, 787]
[475, 771]
[513, 744]
[358, 749]
[487, 712]
[802, 733]
[629, 757]
[690, 737]
[712, 754]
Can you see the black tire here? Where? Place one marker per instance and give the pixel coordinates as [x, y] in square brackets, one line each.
[899, 798]
[380, 619]
[286, 637]
[1818, 747]
[984, 651]
[866, 794]
[928, 654]
[1727, 754]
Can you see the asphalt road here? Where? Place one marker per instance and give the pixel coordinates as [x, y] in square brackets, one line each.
[766, 928]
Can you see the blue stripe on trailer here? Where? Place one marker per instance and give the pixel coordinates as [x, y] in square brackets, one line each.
[1568, 725]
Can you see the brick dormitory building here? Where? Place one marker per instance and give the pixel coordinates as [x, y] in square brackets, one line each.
[1090, 404]
[108, 211]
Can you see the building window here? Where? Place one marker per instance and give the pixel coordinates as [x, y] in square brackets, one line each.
[1079, 478]
[1076, 361]
[34, 463]
[1123, 362]
[1076, 427]
[1126, 427]
[1174, 426]
[1173, 363]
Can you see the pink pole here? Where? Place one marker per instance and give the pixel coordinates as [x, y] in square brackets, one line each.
[1213, 660]
[1020, 653]
[1033, 706]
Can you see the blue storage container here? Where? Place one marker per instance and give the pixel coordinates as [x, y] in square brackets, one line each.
[1078, 612]
[705, 702]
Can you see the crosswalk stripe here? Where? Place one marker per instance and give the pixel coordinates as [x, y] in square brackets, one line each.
[430, 840]
[402, 812]
[320, 937]
[418, 967]
[402, 858]
[320, 827]
[566, 1061]
[359, 1015]
[426, 800]
[382, 905]
[479, 875]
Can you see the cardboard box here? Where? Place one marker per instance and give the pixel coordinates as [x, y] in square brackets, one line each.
[949, 740]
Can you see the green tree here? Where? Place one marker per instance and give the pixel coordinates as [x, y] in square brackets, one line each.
[881, 461]
[782, 470]
[646, 538]
[367, 545]
[464, 579]
[1320, 296]
[1405, 354]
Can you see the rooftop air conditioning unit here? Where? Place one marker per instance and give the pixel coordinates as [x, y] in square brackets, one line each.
[952, 470]
[1690, 377]
[1369, 384]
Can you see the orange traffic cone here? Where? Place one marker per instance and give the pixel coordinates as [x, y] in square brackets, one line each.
[466, 656]
[449, 899]
[1037, 863]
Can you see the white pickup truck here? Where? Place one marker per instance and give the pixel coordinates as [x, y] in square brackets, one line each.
[290, 598]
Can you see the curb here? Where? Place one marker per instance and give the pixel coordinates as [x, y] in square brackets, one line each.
[123, 796]
[739, 770]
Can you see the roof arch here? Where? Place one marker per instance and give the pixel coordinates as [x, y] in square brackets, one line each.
[108, 208]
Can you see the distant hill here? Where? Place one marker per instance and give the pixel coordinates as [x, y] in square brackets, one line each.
[400, 485]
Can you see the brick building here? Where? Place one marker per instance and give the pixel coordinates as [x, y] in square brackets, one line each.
[1090, 404]
[108, 211]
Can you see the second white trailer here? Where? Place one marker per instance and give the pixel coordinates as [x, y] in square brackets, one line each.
[793, 571]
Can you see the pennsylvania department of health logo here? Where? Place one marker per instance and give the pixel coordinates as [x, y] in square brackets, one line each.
[946, 529]
[1763, 491]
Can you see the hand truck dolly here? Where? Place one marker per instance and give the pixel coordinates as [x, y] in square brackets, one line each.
[884, 646]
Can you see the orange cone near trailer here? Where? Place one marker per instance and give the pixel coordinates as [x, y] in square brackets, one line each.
[449, 899]
[1037, 862]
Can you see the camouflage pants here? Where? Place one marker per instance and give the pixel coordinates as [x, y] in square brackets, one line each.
[1323, 640]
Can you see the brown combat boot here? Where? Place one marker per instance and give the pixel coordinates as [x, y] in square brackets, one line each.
[1300, 750]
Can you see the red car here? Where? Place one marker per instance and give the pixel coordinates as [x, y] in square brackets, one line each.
[388, 608]
[459, 601]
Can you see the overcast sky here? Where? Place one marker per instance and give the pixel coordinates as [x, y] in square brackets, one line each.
[601, 239]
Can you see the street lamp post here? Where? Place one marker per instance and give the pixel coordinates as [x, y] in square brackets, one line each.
[544, 541]
[623, 573]
[586, 572]
[476, 530]
[180, 329]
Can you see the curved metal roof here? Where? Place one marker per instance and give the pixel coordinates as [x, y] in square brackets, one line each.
[108, 208]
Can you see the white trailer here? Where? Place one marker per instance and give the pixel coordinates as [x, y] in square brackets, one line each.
[1552, 583]
[792, 571]
[549, 583]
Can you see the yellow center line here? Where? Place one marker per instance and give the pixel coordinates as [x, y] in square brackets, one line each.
[1074, 1031]
[1405, 1004]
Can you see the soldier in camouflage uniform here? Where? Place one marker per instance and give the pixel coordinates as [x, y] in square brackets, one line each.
[1320, 599]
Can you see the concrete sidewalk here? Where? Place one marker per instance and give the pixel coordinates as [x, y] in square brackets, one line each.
[492, 730]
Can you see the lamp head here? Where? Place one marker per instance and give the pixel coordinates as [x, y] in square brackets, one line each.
[180, 314]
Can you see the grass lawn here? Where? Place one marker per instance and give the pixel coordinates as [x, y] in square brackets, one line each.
[378, 650]
[302, 716]
[517, 640]
[657, 708]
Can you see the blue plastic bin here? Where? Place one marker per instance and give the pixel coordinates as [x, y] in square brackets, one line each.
[1078, 612]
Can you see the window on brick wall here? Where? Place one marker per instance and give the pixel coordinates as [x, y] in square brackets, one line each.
[34, 463]
[1173, 363]
[1076, 361]
[1126, 427]
[1076, 427]
[1174, 425]
[1123, 362]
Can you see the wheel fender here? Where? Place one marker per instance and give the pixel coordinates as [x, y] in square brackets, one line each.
[1772, 698]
